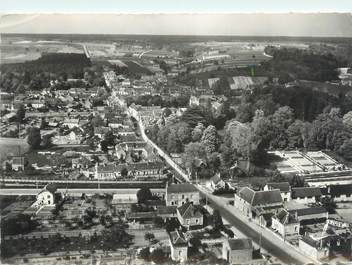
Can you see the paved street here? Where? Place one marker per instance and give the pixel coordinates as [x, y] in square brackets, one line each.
[269, 242]
[272, 245]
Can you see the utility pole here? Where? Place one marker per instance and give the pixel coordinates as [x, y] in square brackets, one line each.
[260, 241]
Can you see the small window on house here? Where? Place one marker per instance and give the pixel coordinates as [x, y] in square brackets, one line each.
[183, 196]
[48, 201]
[48, 196]
[197, 221]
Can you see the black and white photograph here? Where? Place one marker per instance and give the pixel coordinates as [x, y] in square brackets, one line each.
[175, 132]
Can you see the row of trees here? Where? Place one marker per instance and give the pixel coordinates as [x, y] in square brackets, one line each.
[156, 100]
[205, 152]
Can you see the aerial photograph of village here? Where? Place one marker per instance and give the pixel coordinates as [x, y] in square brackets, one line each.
[175, 149]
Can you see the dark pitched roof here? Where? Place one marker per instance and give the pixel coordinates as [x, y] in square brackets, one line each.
[177, 239]
[188, 210]
[240, 243]
[309, 211]
[51, 187]
[286, 217]
[267, 197]
[166, 210]
[256, 198]
[306, 192]
[181, 188]
[246, 194]
[282, 186]
[216, 179]
[337, 190]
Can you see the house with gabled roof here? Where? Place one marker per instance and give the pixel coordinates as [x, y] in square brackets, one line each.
[167, 212]
[189, 215]
[46, 197]
[178, 246]
[179, 194]
[237, 250]
[216, 183]
[340, 192]
[306, 194]
[285, 223]
[258, 204]
[284, 187]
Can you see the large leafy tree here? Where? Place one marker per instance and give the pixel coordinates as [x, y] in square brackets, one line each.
[210, 139]
[194, 152]
[144, 194]
[328, 131]
[197, 132]
[34, 138]
[281, 120]
[21, 112]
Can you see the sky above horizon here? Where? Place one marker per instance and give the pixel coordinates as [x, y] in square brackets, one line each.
[314, 25]
[147, 6]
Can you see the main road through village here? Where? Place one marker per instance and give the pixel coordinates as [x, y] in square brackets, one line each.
[268, 241]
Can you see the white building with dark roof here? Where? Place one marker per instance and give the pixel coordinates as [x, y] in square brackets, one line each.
[179, 194]
[237, 251]
[306, 194]
[46, 197]
[258, 204]
[189, 215]
[178, 246]
[284, 187]
[286, 224]
[216, 183]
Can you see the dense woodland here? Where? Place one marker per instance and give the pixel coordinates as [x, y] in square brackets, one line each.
[315, 116]
[37, 74]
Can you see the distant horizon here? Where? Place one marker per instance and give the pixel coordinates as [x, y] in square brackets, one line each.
[177, 35]
[332, 25]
